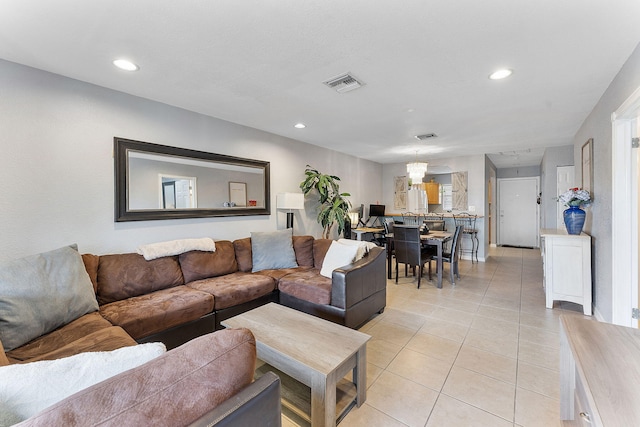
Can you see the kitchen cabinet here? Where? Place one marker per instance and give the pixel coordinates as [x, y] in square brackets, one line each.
[434, 193]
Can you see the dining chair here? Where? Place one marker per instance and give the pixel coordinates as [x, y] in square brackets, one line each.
[409, 249]
[434, 222]
[468, 222]
[452, 256]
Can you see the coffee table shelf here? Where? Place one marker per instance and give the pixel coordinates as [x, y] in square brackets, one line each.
[296, 397]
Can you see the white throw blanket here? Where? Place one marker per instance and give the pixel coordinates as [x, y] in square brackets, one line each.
[26, 389]
[176, 247]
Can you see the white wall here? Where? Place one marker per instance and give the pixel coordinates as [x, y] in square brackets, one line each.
[552, 158]
[598, 224]
[57, 166]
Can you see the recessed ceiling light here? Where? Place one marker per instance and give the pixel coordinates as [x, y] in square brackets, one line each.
[501, 74]
[126, 65]
[299, 126]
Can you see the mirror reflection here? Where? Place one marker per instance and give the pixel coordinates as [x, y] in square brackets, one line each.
[161, 182]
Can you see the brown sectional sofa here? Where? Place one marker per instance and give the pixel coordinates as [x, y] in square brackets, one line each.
[175, 299]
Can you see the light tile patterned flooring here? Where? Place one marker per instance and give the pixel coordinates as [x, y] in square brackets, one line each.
[484, 352]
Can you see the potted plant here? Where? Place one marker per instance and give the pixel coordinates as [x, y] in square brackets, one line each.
[574, 217]
[333, 204]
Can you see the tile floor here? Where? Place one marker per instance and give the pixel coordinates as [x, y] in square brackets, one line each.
[484, 352]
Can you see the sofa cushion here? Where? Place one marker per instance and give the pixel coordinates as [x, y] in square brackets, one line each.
[157, 311]
[174, 389]
[91, 332]
[243, 254]
[337, 256]
[42, 292]
[320, 248]
[29, 388]
[235, 288]
[91, 265]
[271, 250]
[123, 276]
[303, 247]
[198, 265]
[307, 285]
[278, 273]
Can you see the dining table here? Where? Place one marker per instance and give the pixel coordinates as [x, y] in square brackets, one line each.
[433, 237]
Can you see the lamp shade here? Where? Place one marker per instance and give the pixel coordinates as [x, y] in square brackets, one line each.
[290, 201]
[353, 218]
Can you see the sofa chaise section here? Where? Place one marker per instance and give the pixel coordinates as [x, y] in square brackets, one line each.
[354, 293]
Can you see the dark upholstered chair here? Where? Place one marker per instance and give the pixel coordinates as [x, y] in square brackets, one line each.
[451, 256]
[409, 250]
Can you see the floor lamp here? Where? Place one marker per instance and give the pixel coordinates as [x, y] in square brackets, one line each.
[290, 201]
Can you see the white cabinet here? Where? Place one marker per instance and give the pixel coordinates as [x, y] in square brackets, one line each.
[567, 268]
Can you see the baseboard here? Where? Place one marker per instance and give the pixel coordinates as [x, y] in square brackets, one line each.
[598, 315]
[468, 258]
[493, 245]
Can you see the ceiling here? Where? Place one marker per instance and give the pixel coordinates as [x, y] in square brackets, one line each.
[424, 65]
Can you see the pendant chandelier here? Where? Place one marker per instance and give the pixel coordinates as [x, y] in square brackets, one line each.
[416, 170]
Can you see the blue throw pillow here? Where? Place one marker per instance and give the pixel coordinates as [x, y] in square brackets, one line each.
[272, 250]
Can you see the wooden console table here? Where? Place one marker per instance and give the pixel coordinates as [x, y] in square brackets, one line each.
[599, 373]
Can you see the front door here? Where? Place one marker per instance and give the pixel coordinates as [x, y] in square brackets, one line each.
[518, 212]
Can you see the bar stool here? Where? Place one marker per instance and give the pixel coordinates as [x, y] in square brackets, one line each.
[468, 223]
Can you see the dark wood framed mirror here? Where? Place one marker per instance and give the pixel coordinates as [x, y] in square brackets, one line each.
[154, 182]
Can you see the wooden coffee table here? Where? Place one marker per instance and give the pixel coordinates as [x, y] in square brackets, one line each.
[314, 351]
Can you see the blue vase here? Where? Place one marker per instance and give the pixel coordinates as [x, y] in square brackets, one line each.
[574, 219]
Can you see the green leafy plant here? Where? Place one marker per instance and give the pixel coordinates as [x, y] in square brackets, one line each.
[333, 204]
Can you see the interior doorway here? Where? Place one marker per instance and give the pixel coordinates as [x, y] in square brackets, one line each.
[519, 214]
[625, 251]
[177, 192]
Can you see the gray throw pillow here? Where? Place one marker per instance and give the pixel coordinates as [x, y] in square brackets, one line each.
[40, 293]
[272, 250]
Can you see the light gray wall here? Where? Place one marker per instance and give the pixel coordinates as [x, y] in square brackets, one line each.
[57, 166]
[552, 158]
[598, 224]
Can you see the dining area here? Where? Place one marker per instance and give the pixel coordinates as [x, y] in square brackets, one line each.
[416, 246]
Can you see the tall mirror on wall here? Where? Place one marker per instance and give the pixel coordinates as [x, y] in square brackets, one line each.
[155, 181]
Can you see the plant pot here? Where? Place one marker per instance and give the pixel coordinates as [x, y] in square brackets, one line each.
[574, 219]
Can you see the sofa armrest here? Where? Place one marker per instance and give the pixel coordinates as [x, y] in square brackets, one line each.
[355, 282]
[256, 404]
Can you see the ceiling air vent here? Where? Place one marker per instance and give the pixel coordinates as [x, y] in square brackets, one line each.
[344, 83]
[426, 136]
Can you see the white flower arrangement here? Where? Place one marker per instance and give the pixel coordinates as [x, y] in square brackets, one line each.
[576, 197]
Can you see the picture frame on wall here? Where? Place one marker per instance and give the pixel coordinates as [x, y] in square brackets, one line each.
[238, 193]
[587, 166]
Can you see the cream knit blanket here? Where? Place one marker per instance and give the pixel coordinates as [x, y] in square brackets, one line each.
[176, 247]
